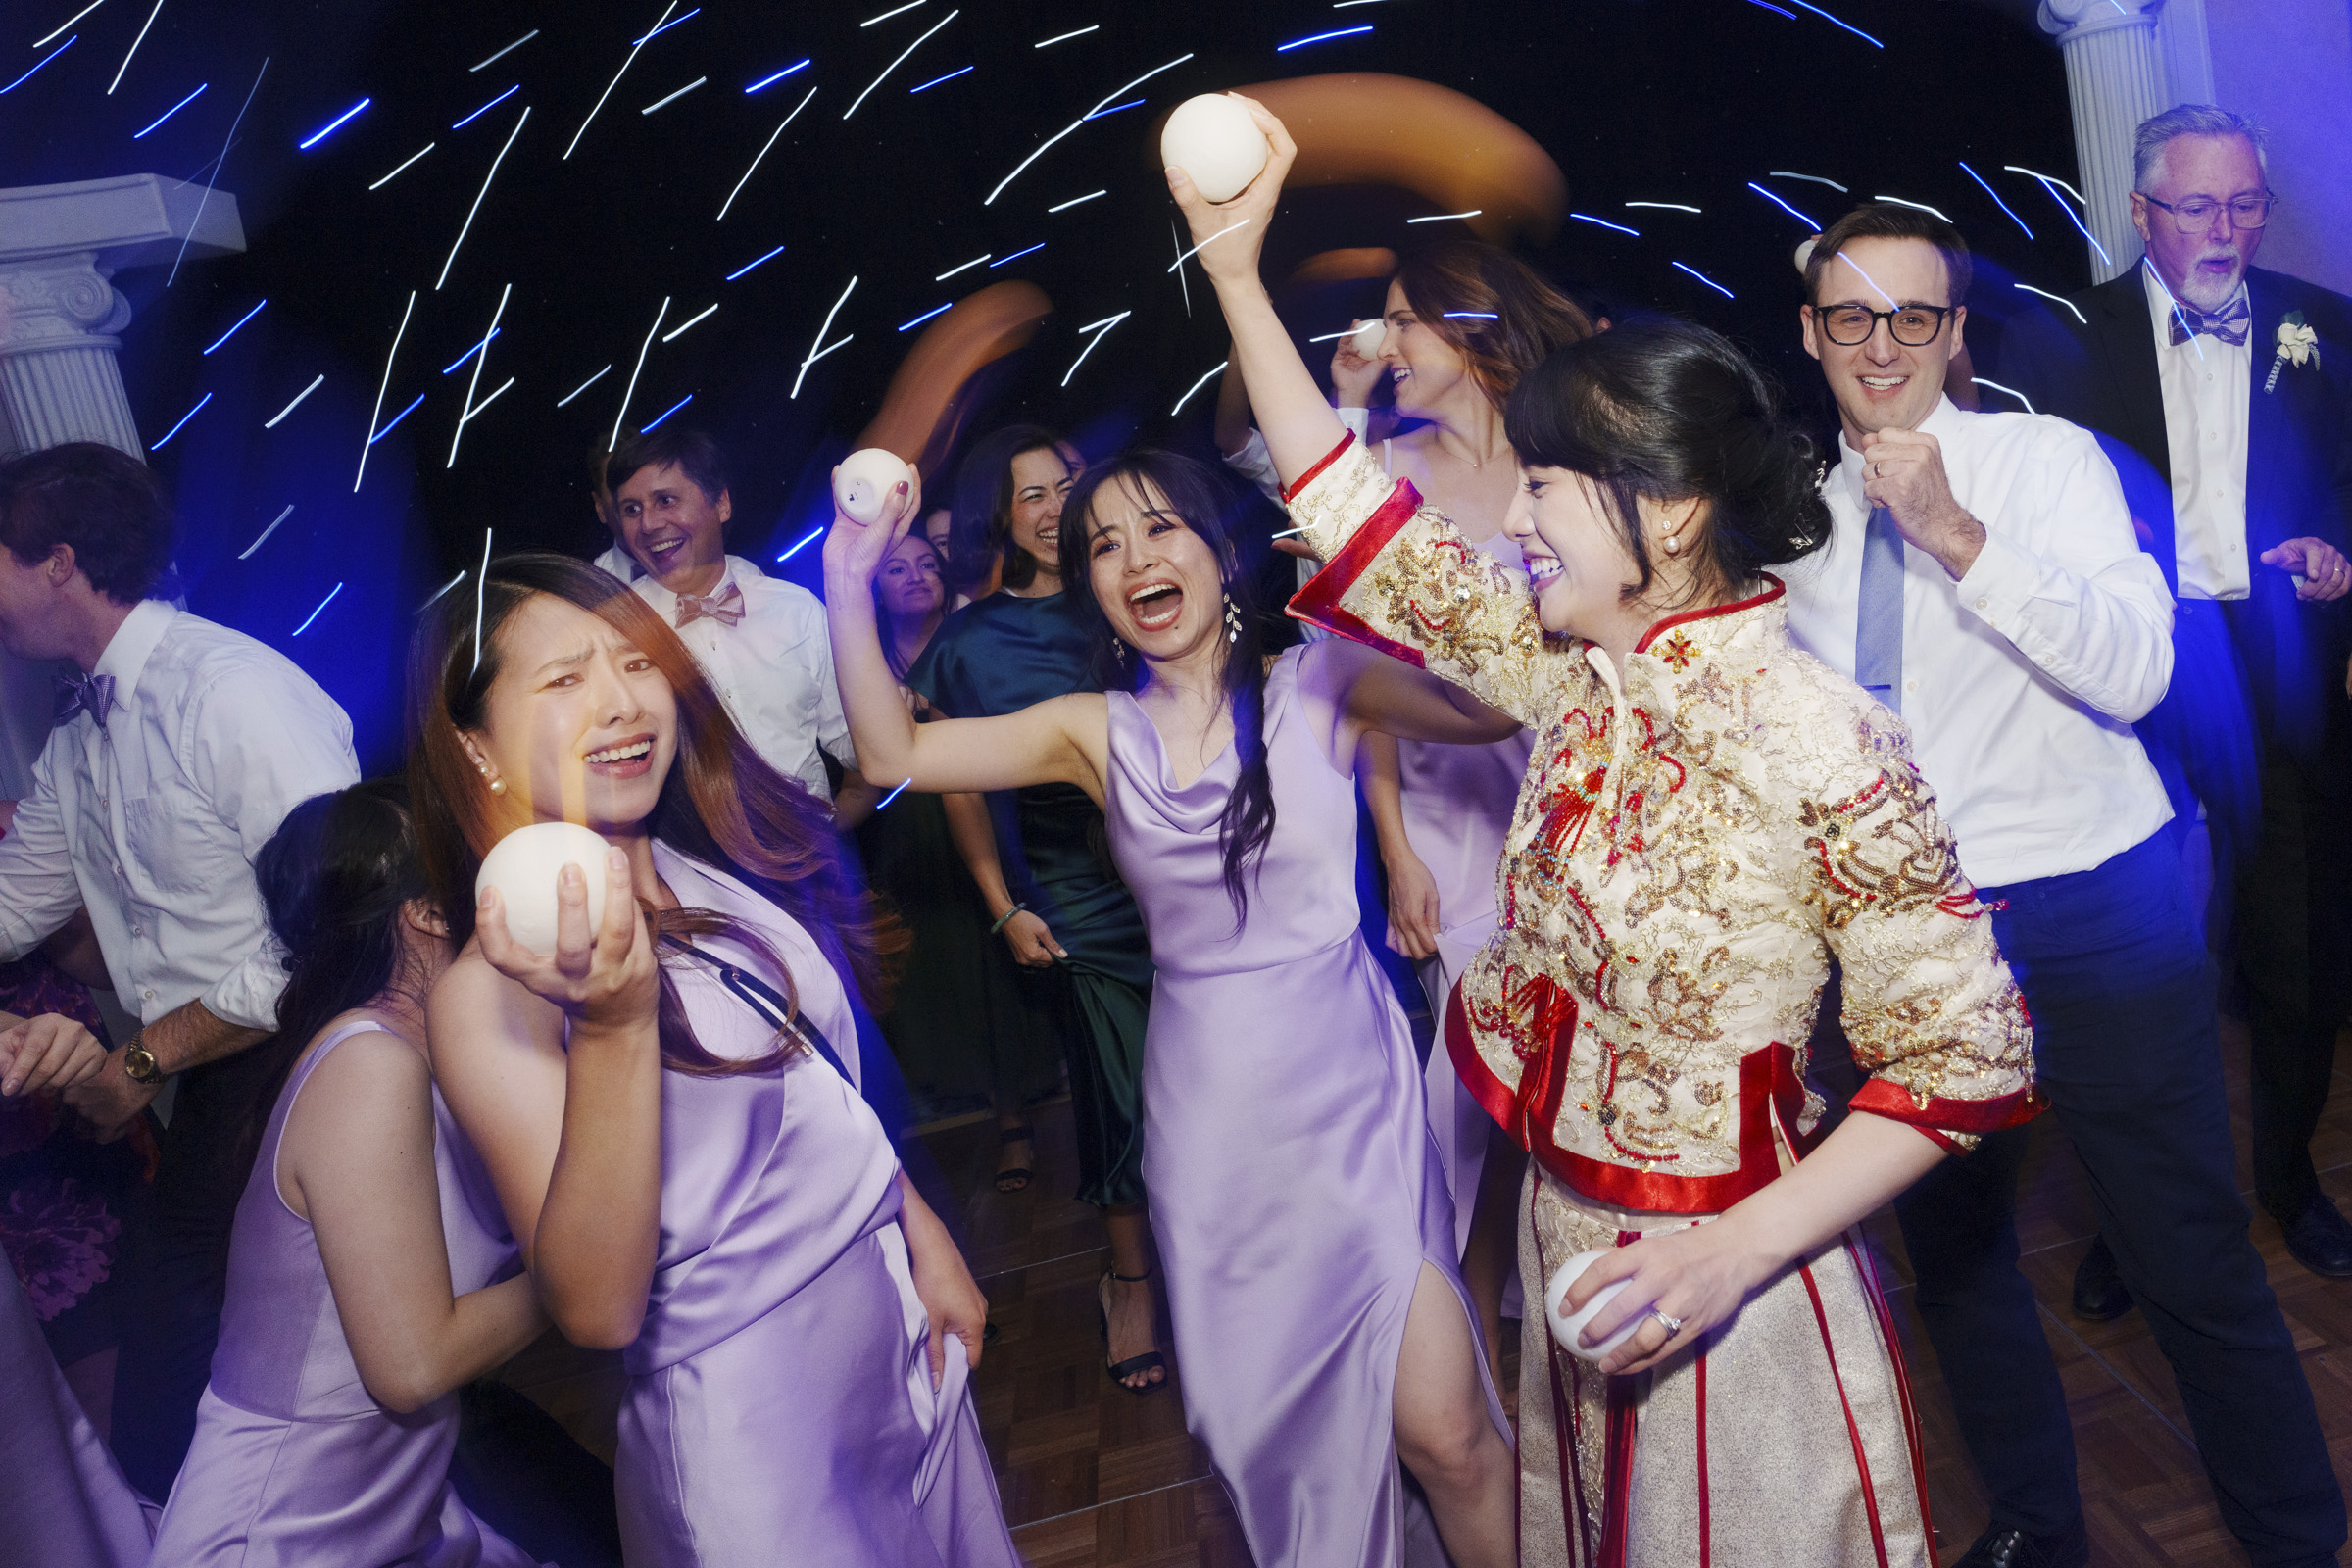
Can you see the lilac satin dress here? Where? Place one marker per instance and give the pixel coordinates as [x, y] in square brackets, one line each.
[780, 1406]
[63, 1498]
[294, 1461]
[1295, 1191]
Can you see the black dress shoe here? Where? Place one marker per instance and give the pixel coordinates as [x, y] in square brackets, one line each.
[2014, 1548]
[2100, 1294]
[2321, 1239]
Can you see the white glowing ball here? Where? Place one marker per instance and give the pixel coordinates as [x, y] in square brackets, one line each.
[862, 484]
[523, 867]
[1214, 139]
[1804, 252]
[1564, 1330]
[1366, 339]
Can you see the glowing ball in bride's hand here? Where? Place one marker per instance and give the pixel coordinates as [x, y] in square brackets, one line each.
[862, 484]
[1214, 139]
[1367, 338]
[523, 866]
[1566, 1329]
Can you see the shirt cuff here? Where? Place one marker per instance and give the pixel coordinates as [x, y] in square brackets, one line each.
[1359, 420]
[247, 995]
[1999, 582]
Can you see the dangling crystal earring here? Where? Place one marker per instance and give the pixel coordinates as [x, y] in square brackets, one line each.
[1118, 653]
[1233, 621]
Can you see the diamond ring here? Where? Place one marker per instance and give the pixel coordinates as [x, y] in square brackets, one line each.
[1672, 1325]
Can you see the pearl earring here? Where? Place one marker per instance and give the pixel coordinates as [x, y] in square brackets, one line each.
[1672, 544]
[498, 786]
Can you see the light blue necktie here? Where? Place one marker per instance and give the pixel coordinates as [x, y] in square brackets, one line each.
[1879, 613]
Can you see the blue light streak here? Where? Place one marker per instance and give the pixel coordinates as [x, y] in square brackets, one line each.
[902, 789]
[396, 419]
[807, 539]
[666, 413]
[184, 420]
[1301, 43]
[472, 351]
[1474, 316]
[1769, 6]
[1016, 256]
[748, 265]
[770, 82]
[331, 126]
[1997, 197]
[137, 135]
[936, 80]
[926, 316]
[665, 26]
[1114, 108]
[1710, 283]
[1848, 25]
[232, 331]
[1605, 224]
[486, 108]
[44, 60]
[320, 610]
[1809, 224]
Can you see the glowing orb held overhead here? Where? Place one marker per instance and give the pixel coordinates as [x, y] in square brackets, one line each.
[862, 484]
[1214, 139]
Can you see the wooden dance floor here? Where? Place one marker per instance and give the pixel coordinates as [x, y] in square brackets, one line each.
[1093, 1476]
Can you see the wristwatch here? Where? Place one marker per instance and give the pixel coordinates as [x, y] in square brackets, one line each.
[140, 1062]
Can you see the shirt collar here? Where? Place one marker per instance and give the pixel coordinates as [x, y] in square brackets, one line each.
[2161, 303]
[1943, 423]
[734, 570]
[127, 652]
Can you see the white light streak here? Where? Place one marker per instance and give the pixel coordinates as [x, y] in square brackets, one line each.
[466, 410]
[68, 23]
[218, 164]
[901, 59]
[816, 351]
[411, 158]
[614, 82]
[1176, 239]
[1917, 206]
[381, 386]
[2060, 297]
[135, 48]
[297, 397]
[1102, 330]
[674, 97]
[1212, 239]
[893, 11]
[1303, 527]
[1676, 205]
[2012, 391]
[267, 532]
[439, 592]
[2046, 180]
[1110, 98]
[635, 374]
[1790, 173]
[583, 387]
[1197, 387]
[1331, 337]
[501, 55]
[1077, 200]
[1446, 218]
[1045, 43]
[965, 268]
[479, 195]
[771, 141]
[482, 581]
[676, 330]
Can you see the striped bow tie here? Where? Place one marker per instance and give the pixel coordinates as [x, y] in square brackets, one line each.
[80, 694]
[724, 607]
[2229, 325]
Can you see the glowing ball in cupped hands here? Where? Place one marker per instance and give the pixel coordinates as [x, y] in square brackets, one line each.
[523, 866]
[862, 484]
[1215, 142]
[1565, 1328]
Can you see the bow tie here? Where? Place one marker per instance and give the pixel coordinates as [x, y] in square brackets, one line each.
[91, 694]
[2229, 325]
[724, 607]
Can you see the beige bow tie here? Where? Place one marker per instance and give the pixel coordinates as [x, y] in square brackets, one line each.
[724, 607]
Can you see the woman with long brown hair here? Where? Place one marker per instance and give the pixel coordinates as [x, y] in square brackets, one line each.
[668, 1106]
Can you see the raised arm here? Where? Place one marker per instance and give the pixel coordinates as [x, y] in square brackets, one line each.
[1062, 741]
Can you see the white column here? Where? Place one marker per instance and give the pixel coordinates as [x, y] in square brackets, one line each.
[60, 313]
[2115, 79]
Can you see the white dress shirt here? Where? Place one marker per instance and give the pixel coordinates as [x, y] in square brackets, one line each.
[152, 821]
[2021, 681]
[774, 668]
[2205, 383]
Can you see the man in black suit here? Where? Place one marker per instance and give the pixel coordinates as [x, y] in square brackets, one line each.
[2237, 384]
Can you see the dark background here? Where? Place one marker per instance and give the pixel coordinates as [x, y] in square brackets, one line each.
[1663, 100]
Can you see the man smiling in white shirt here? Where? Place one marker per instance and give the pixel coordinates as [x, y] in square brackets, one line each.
[761, 640]
[176, 753]
[1984, 579]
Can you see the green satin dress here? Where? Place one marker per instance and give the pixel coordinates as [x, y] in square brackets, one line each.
[1000, 655]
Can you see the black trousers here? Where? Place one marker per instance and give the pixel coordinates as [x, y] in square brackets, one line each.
[2121, 992]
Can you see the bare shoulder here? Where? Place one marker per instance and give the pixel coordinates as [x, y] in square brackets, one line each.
[474, 1012]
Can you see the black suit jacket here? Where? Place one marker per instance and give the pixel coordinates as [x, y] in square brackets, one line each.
[2101, 372]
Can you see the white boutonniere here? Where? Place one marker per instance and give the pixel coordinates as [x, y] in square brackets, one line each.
[2298, 345]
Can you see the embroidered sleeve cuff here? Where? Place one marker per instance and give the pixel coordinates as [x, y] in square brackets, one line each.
[1955, 1123]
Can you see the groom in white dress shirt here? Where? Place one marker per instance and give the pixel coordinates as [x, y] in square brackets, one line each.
[761, 640]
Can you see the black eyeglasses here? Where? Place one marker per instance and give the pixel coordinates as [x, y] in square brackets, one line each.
[1914, 327]
[2195, 215]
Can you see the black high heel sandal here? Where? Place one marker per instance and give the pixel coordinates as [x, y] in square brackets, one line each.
[1014, 1178]
[1121, 1371]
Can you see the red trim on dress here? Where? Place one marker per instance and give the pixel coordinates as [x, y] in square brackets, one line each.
[1710, 612]
[1707, 1538]
[1575, 1512]
[1291, 493]
[1868, 1271]
[1617, 1470]
[1853, 1430]
[1882, 1098]
[1318, 603]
